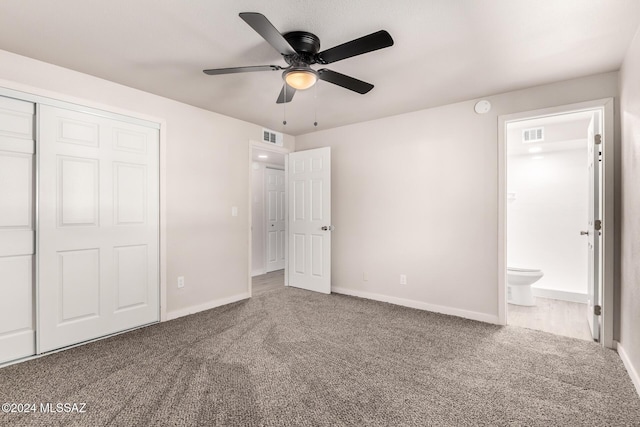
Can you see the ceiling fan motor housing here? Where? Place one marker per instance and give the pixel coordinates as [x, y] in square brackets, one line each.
[303, 41]
[306, 46]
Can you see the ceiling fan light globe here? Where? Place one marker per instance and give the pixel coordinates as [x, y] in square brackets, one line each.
[301, 79]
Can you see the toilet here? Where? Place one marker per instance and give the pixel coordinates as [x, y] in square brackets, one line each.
[519, 281]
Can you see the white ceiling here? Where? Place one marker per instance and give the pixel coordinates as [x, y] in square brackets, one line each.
[445, 51]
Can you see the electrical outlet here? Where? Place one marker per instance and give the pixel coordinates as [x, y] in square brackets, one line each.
[181, 282]
[234, 211]
[365, 276]
[403, 279]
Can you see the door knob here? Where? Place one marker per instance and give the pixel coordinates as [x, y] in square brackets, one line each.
[328, 228]
[584, 233]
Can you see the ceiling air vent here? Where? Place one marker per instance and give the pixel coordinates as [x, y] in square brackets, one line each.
[272, 137]
[533, 135]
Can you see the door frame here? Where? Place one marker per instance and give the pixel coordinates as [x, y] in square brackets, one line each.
[262, 146]
[606, 105]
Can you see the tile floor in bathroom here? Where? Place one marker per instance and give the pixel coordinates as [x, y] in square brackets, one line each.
[558, 317]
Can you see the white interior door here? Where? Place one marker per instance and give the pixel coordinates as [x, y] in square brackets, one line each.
[310, 220]
[98, 227]
[594, 144]
[17, 325]
[275, 218]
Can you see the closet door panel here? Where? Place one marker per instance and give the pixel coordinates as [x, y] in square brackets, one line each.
[17, 325]
[98, 227]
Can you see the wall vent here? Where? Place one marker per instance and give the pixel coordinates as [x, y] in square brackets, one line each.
[272, 137]
[532, 135]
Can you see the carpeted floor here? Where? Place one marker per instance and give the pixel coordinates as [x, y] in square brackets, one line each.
[297, 358]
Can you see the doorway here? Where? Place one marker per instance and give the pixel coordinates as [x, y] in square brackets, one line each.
[268, 228]
[306, 213]
[556, 220]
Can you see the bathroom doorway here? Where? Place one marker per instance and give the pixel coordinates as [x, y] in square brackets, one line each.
[554, 237]
[268, 203]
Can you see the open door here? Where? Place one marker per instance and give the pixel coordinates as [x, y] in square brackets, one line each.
[309, 177]
[594, 141]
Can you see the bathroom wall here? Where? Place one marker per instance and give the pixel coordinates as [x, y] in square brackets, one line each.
[546, 209]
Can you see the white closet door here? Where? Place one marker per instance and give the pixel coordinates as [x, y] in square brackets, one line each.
[16, 230]
[276, 220]
[98, 227]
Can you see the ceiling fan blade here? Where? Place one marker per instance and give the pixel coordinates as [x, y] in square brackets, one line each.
[233, 70]
[374, 41]
[290, 92]
[262, 26]
[344, 81]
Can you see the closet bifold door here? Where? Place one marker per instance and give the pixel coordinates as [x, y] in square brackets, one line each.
[98, 220]
[17, 322]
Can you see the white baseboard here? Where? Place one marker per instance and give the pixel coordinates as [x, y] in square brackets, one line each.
[559, 295]
[260, 272]
[473, 315]
[206, 306]
[635, 378]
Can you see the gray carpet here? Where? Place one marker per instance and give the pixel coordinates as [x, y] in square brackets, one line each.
[297, 358]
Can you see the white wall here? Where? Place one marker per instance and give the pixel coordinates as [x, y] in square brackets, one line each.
[629, 347]
[417, 194]
[207, 172]
[545, 218]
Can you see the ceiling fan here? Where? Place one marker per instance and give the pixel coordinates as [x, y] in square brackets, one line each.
[300, 51]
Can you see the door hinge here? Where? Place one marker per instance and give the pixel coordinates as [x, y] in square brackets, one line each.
[597, 310]
[597, 139]
[597, 225]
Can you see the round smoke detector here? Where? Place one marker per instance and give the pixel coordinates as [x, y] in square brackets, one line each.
[482, 107]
